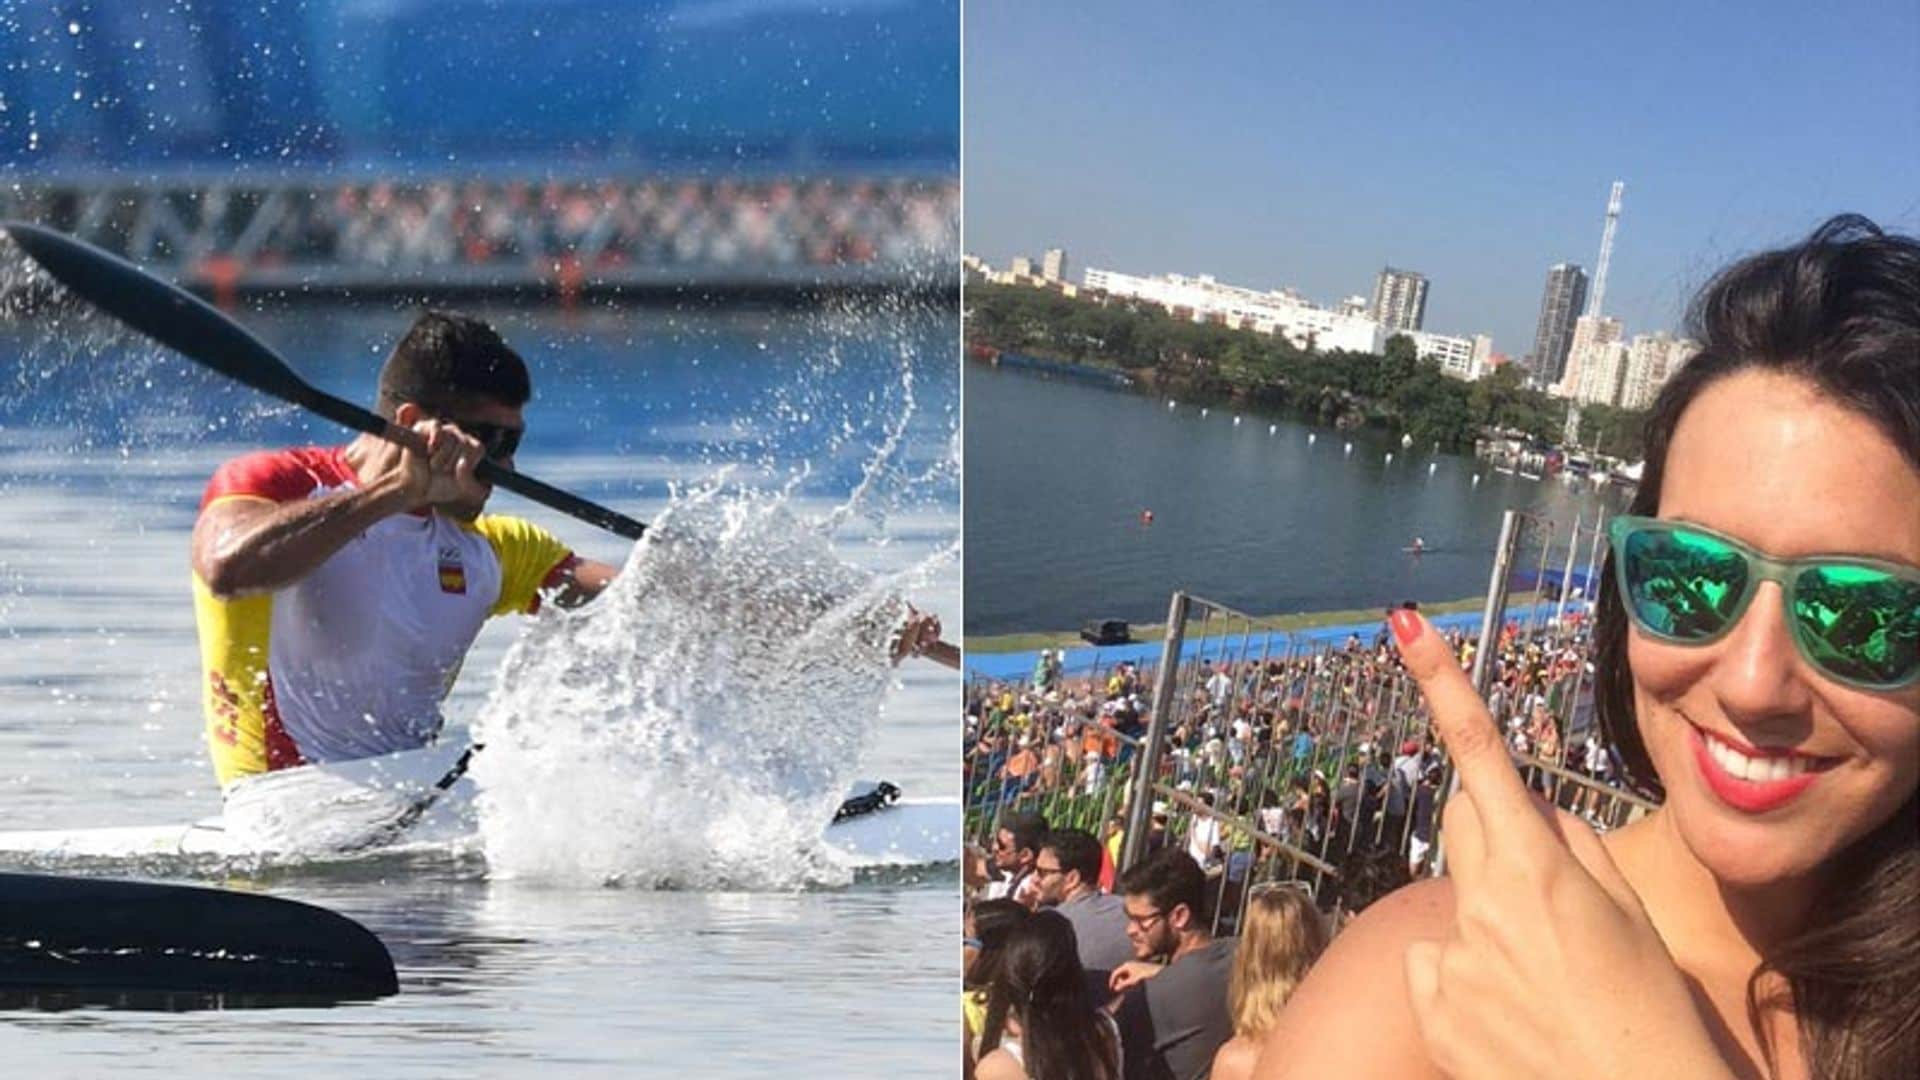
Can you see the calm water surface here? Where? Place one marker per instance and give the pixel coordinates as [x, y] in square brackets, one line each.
[102, 459]
[1060, 471]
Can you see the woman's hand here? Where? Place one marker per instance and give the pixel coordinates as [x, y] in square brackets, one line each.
[1553, 967]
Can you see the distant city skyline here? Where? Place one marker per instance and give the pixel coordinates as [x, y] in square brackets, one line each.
[1246, 145]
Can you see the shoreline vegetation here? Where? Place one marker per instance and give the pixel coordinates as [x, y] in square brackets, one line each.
[1151, 632]
[1211, 363]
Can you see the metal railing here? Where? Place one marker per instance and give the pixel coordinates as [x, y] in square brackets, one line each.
[1272, 760]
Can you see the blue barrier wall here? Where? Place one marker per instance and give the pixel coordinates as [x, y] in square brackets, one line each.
[1271, 643]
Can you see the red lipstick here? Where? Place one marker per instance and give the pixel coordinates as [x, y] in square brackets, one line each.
[1752, 796]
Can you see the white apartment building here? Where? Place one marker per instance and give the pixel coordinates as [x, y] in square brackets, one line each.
[1285, 312]
[1603, 371]
[1482, 363]
[1454, 354]
[1589, 333]
[1053, 264]
[1278, 311]
[1651, 361]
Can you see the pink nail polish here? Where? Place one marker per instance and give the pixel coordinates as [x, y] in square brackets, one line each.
[1406, 627]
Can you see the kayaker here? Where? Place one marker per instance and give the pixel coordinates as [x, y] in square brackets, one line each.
[338, 589]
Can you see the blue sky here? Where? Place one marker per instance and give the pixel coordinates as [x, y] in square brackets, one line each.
[1310, 144]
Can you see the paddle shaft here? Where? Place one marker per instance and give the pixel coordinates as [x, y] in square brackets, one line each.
[364, 419]
[207, 336]
[195, 329]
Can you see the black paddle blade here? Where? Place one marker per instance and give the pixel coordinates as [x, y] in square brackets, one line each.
[164, 312]
[183, 322]
[83, 939]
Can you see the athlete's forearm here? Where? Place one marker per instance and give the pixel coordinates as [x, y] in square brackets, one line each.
[274, 549]
[942, 653]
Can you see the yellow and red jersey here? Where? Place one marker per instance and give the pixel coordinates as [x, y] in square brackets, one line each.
[354, 659]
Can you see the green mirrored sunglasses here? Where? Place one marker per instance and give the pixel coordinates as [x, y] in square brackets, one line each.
[1856, 620]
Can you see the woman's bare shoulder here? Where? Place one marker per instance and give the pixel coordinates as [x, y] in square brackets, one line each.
[1235, 1059]
[999, 1065]
[1351, 1017]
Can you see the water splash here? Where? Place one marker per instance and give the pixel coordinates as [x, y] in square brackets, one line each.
[696, 726]
[35, 305]
[67, 366]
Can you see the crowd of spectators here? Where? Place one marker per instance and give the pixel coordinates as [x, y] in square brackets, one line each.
[1327, 752]
[602, 225]
[1072, 974]
[1297, 790]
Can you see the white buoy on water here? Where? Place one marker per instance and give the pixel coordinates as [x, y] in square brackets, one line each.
[1476, 479]
[1349, 449]
[1406, 442]
[1309, 438]
[1236, 421]
[1271, 428]
[1389, 457]
[1205, 411]
[1170, 403]
[1431, 466]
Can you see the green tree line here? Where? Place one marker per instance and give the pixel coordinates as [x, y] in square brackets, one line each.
[1392, 390]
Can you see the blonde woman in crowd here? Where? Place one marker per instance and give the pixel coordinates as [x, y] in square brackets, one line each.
[1281, 937]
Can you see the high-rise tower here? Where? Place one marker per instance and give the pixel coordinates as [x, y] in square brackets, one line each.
[1560, 304]
[1053, 265]
[1399, 300]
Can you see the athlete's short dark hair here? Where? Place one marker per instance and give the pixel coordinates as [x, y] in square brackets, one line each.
[445, 361]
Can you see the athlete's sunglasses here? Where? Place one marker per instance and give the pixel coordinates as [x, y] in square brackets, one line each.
[500, 441]
[1855, 620]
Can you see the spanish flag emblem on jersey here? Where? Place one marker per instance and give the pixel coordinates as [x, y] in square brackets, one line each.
[453, 574]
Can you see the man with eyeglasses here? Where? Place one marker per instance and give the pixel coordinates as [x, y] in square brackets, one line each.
[338, 589]
[1174, 1015]
[1068, 876]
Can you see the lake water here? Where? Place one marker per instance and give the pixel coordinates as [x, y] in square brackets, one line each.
[102, 459]
[1248, 514]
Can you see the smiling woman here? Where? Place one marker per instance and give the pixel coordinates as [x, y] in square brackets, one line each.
[1759, 666]
[1797, 431]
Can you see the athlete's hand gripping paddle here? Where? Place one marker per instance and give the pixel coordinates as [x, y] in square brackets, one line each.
[188, 325]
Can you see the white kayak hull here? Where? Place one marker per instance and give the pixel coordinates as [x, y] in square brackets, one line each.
[322, 810]
[908, 833]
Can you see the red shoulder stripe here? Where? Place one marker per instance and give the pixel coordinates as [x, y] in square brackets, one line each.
[280, 475]
[282, 751]
[554, 579]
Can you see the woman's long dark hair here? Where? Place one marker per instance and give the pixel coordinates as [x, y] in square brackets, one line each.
[1042, 983]
[1841, 311]
[994, 922]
